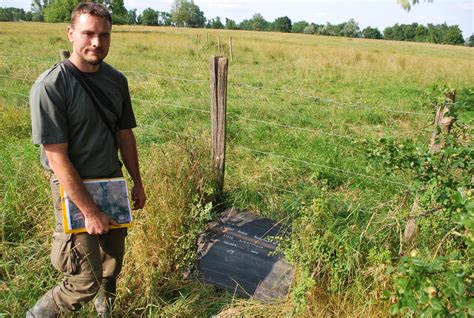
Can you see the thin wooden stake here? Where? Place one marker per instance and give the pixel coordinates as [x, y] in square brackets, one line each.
[231, 52]
[219, 44]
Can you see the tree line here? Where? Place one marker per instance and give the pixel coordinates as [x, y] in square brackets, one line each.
[185, 13]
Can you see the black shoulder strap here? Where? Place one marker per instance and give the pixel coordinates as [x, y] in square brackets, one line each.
[96, 95]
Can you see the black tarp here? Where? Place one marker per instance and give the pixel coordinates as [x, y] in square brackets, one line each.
[238, 253]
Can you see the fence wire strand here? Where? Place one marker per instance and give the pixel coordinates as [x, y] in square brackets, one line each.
[324, 166]
[15, 93]
[169, 131]
[328, 100]
[311, 130]
[172, 78]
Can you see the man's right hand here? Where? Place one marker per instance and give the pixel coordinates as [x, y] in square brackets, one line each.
[98, 223]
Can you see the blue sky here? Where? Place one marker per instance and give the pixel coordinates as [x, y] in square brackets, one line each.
[375, 13]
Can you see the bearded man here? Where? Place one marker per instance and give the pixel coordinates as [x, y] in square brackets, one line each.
[79, 141]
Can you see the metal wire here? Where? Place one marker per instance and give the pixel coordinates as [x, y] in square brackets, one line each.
[326, 167]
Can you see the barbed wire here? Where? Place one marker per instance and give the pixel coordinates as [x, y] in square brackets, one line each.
[171, 105]
[18, 78]
[15, 93]
[169, 131]
[326, 100]
[173, 78]
[325, 166]
[48, 59]
[311, 130]
[322, 99]
[304, 94]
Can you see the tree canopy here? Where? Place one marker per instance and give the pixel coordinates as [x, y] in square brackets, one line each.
[149, 17]
[282, 24]
[59, 10]
[185, 13]
[440, 34]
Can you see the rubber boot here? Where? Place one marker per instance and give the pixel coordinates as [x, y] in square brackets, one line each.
[45, 307]
[104, 301]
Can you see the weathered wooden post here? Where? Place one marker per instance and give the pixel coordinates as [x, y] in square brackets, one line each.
[442, 122]
[231, 52]
[442, 128]
[218, 83]
[64, 54]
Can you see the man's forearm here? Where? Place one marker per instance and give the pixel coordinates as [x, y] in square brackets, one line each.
[128, 151]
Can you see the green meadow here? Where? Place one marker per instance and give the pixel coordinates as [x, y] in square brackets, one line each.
[301, 110]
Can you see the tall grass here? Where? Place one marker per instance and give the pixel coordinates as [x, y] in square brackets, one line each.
[300, 108]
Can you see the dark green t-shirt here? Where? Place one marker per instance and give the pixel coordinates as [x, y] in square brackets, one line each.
[62, 112]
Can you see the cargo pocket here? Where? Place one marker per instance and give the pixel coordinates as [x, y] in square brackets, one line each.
[63, 254]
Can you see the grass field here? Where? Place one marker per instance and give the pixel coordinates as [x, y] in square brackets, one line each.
[300, 109]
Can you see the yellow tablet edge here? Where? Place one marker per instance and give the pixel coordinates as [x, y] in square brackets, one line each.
[66, 228]
[63, 208]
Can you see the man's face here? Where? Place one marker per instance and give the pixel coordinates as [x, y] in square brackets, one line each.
[90, 37]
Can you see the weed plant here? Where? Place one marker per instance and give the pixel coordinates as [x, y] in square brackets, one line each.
[302, 113]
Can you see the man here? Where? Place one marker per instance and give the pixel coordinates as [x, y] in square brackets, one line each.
[77, 143]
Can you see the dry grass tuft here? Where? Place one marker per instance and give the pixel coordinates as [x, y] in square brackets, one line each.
[162, 241]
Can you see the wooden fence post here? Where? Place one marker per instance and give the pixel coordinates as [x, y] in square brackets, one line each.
[231, 52]
[219, 43]
[442, 122]
[218, 79]
[64, 54]
[442, 129]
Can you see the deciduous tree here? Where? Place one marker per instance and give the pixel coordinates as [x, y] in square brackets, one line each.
[259, 23]
[132, 16]
[216, 23]
[371, 33]
[37, 9]
[470, 41]
[149, 17]
[350, 29]
[298, 27]
[282, 24]
[185, 13]
[164, 18]
[230, 24]
[59, 10]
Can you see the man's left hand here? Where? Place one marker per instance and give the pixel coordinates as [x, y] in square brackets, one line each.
[138, 196]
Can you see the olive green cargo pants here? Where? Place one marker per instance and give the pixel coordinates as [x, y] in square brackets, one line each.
[86, 261]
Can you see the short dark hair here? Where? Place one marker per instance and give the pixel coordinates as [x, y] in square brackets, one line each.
[95, 9]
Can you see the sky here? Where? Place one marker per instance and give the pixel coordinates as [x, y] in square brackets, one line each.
[375, 13]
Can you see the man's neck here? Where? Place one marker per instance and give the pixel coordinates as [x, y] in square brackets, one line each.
[82, 65]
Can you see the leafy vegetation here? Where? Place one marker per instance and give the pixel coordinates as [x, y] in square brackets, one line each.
[436, 279]
[322, 132]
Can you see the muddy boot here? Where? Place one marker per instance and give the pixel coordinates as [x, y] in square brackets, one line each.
[104, 301]
[45, 307]
[102, 306]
